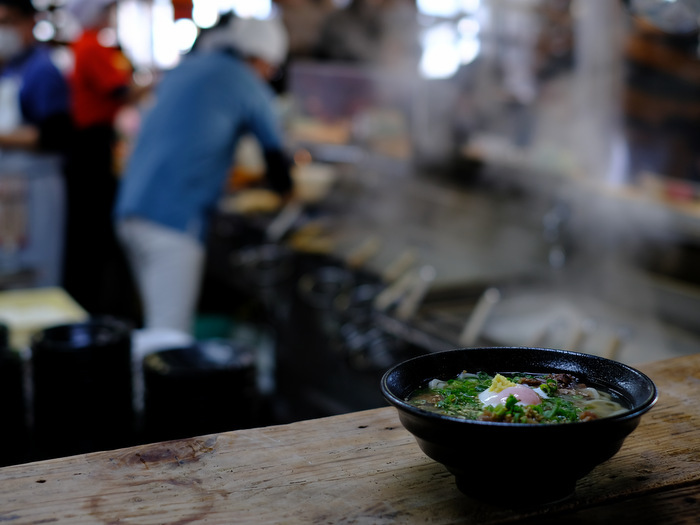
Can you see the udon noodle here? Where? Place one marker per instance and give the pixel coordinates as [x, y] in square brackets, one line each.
[517, 398]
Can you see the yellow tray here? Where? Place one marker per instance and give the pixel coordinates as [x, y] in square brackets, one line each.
[27, 311]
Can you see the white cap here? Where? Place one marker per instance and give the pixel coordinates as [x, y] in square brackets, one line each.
[251, 37]
[88, 12]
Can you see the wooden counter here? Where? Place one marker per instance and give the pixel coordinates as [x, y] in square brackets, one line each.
[356, 468]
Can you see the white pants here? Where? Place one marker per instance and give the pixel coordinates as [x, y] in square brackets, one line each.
[167, 267]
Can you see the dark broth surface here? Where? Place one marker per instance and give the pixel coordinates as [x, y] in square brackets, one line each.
[516, 398]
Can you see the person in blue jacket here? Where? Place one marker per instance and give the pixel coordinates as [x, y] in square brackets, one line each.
[182, 157]
[35, 132]
[34, 92]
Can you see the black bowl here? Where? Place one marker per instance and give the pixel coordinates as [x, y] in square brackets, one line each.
[518, 464]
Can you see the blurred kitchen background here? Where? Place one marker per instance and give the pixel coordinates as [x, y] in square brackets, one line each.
[473, 172]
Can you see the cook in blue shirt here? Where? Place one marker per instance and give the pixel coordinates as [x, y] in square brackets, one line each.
[182, 157]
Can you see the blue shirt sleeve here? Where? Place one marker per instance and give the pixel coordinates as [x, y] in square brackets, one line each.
[263, 123]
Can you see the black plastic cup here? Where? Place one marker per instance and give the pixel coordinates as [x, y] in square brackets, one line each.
[82, 388]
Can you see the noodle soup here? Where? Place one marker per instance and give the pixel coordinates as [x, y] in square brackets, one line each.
[516, 398]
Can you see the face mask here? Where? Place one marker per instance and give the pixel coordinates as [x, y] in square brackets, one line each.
[10, 43]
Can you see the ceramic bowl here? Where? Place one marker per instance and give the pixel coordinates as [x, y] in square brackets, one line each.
[518, 464]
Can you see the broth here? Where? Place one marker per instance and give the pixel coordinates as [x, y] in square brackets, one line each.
[516, 398]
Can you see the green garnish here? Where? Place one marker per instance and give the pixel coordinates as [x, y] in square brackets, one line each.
[459, 398]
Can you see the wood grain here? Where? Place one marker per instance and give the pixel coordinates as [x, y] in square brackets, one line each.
[355, 468]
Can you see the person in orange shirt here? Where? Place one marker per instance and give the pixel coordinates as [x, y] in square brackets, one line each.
[95, 270]
[102, 76]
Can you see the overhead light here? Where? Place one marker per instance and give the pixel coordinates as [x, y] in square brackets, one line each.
[251, 8]
[442, 8]
[205, 14]
[42, 5]
[186, 33]
[44, 31]
[441, 57]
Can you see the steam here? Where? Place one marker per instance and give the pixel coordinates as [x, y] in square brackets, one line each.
[584, 226]
[571, 156]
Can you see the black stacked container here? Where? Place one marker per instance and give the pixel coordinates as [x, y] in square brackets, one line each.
[14, 437]
[204, 388]
[82, 388]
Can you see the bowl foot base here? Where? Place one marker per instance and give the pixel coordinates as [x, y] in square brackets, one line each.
[501, 494]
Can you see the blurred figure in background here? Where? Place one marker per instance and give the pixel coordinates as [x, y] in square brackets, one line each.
[96, 272]
[182, 157]
[378, 32]
[35, 106]
[35, 130]
[661, 98]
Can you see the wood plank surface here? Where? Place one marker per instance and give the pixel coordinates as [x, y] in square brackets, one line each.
[355, 468]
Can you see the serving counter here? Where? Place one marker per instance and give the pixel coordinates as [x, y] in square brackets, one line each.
[360, 467]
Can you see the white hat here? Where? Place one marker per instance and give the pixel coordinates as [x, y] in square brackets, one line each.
[88, 12]
[251, 37]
